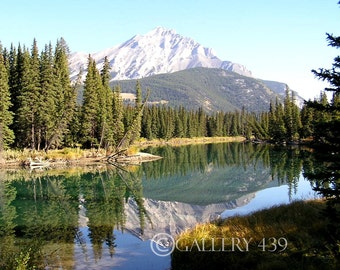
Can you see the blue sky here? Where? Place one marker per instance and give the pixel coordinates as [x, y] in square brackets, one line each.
[276, 39]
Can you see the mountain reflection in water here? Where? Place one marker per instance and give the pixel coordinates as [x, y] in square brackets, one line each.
[104, 216]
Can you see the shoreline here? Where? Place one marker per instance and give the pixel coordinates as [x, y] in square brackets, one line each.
[188, 141]
[84, 157]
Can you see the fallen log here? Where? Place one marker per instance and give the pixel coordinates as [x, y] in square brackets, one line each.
[133, 159]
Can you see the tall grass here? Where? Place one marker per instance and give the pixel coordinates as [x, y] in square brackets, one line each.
[288, 236]
[21, 157]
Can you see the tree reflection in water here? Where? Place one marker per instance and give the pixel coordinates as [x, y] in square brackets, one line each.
[42, 213]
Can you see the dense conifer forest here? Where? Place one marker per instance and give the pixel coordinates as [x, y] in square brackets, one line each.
[39, 109]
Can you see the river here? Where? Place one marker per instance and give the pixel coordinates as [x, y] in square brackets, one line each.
[105, 217]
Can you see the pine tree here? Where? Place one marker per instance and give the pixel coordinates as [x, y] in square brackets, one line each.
[29, 97]
[202, 123]
[297, 125]
[65, 95]
[329, 128]
[117, 115]
[47, 102]
[276, 127]
[288, 116]
[326, 179]
[307, 122]
[90, 107]
[17, 69]
[180, 121]
[106, 103]
[138, 105]
[6, 117]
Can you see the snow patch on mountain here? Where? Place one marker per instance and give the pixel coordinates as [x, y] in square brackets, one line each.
[159, 51]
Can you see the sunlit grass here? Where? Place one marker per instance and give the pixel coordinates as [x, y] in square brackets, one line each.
[21, 157]
[295, 232]
[187, 141]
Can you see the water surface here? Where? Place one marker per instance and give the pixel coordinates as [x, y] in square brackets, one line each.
[103, 217]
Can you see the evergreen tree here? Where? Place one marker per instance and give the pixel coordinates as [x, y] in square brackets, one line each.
[117, 115]
[138, 105]
[326, 179]
[47, 102]
[288, 116]
[202, 123]
[15, 84]
[180, 121]
[29, 97]
[297, 125]
[65, 95]
[72, 137]
[90, 107]
[105, 105]
[329, 128]
[307, 122]
[6, 117]
[277, 127]
[146, 124]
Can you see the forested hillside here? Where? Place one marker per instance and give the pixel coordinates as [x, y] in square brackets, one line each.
[210, 88]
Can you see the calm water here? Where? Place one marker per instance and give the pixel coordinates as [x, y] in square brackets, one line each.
[104, 217]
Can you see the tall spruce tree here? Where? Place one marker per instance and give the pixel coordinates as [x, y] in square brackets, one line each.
[48, 110]
[90, 109]
[29, 97]
[65, 96]
[329, 128]
[106, 103]
[277, 127]
[15, 84]
[326, 175]
[6, 117]
[117, 115]
[138, 105]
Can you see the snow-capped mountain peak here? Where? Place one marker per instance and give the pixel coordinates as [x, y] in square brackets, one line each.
[159, 51]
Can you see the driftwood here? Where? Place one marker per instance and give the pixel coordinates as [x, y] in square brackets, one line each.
[38, 163]
[133, 159]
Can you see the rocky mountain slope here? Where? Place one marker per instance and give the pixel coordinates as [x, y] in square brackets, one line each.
[180, 71]
[159, 51]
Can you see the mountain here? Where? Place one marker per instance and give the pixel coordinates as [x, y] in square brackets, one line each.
[159, 51]
[280, 88]
[176, 69]
[211, 88]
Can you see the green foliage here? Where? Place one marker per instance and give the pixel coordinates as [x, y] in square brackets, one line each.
[39, 226]
[284, 122]
[106, 104]
[326, 123]
[45, 114]
[212, 89]
[6, 117]
[117, 116]
[41, 95]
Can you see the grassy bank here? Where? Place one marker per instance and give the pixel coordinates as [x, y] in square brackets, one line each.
[188, 141]
[60, 156]
[284, 237]
[77, 155]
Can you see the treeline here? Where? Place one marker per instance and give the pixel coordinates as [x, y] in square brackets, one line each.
[38, 102]
[39, 109]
